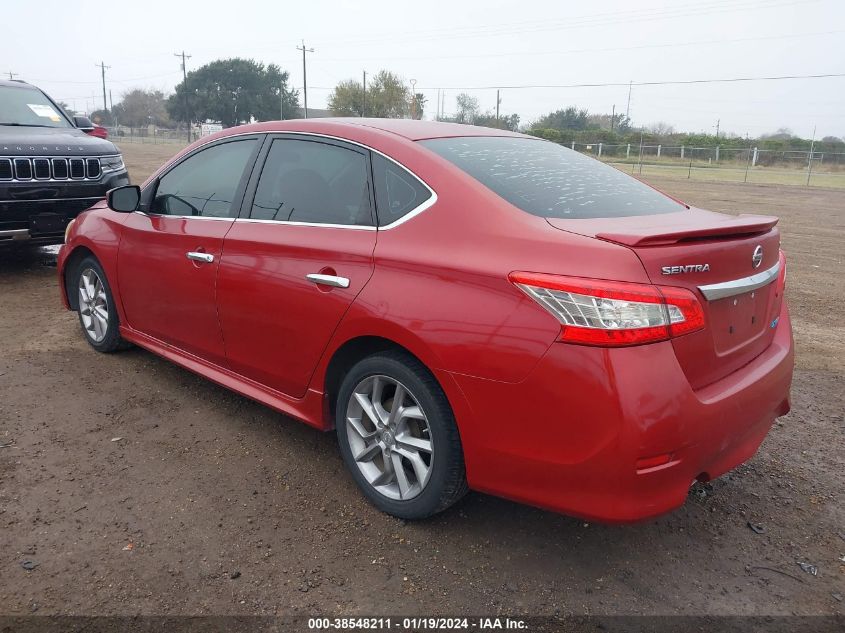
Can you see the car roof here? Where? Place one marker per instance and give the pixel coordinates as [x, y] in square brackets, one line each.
[415, 130]
[409, 129]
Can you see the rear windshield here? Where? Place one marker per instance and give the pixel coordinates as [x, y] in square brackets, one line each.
[550, 180]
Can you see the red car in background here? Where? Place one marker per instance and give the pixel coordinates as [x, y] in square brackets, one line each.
[99, 131]
[467, 307]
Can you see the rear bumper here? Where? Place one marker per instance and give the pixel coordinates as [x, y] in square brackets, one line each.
[569, 437]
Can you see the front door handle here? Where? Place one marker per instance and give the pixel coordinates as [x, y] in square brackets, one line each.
[328, 280]
[200, 257]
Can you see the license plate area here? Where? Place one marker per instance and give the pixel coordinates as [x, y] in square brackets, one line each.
[47, 223]
[735, 321]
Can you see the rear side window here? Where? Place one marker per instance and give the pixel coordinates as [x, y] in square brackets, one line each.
[206, 183]
[313, 182]
[398, 192]
[549, 180]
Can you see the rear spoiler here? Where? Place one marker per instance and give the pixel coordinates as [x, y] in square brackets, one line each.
[724, 227]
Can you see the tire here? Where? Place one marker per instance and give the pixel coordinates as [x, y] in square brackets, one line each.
[98, 316]
[385, 449]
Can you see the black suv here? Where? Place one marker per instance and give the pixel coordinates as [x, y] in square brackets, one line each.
[50, 169]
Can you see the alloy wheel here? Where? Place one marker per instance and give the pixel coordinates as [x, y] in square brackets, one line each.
[389, 437]
[93, 305]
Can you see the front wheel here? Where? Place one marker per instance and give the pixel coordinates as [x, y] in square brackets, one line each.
[398, 436]
[97, 313]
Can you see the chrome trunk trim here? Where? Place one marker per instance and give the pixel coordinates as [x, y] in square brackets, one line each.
[738, 286]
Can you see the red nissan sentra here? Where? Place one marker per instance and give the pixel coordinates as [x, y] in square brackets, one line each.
[467, 307]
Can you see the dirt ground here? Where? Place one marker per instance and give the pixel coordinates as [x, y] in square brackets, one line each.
[136, 487]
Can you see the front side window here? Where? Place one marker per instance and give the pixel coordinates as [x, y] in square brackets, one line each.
[313, 182]
[206, 183]
[551, 181]
[398, 192]
[28, 107]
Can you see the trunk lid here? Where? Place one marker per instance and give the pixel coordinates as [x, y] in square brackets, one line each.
[694, 249]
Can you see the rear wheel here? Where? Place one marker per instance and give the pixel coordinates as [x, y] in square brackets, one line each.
[95, 305]
[398, 436]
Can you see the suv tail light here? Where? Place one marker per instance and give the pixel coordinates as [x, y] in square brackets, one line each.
[612, 313]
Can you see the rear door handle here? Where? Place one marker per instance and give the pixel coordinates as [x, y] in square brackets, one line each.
[200, 257]
[328, 280]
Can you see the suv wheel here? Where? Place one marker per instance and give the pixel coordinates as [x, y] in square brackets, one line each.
[398, 436]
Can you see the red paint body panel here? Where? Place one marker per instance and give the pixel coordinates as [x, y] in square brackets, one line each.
[166, 295]
[557, 425]
[269, 311]
[585, 415]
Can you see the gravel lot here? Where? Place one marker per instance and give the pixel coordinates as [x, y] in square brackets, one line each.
[210, 503]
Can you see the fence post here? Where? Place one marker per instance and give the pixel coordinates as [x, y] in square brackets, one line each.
[658, 150]
[573, 144]
[754, 160]
[599, 150]
[628, 151]
[717, 153]
[682, 152]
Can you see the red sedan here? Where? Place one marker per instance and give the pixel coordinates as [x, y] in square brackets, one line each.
[466, 307]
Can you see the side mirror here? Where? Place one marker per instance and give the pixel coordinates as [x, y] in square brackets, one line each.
[124, 199]
[83, 123]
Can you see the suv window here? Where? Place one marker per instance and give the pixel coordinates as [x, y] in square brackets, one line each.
[204, 184]
[315, 182]
[551, 181]
[398, 192]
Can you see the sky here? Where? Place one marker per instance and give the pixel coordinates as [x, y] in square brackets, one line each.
[467, 46]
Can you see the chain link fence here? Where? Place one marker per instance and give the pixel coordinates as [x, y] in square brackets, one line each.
[151, 134]
[750, 164]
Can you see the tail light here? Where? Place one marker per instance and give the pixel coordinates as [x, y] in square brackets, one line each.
[612, 313]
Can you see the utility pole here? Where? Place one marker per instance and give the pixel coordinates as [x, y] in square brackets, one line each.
[185, 56]
[628, 108]
[718, 121]
[613, 118]
[12, 75]
[304, 75]
[103, 67]
[498, 101]
[364, 102]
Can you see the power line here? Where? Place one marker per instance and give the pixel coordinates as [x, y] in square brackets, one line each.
[579, 22]
[613, 49]
[304, 76]
[640, 83]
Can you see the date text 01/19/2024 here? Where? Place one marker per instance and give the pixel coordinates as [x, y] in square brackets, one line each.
[417, 623]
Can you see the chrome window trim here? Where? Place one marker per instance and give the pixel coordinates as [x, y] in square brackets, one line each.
[358, 227]
[411, 214]
[739, 286]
